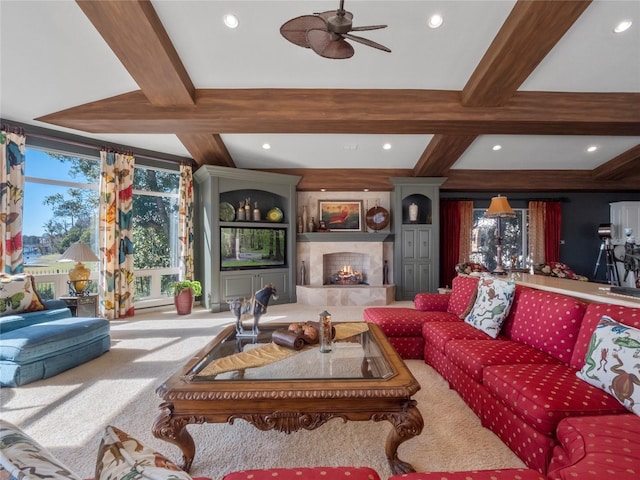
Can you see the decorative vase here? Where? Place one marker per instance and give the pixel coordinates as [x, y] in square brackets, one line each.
[325, 332]
[304, 218]
[385, 273]
[184, 301]
[303, 273]
[241, 216]
[312, 225]
[256, 212]
[300, 228]
[413, 213]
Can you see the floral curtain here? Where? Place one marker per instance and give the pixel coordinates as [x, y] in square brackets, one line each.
[12, 147]
[185, 222]
[545, 221]
[116, 235]
[456, 222]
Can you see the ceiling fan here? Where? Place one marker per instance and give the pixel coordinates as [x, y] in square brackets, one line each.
[327, 33]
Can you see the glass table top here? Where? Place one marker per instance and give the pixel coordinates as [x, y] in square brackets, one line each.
[231, 358]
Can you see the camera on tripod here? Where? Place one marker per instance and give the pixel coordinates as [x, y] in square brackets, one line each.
[611, 272]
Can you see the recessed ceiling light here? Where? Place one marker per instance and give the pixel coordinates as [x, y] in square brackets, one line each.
[266, 146]
[366, 189]
[591, 148]
[623, 26]
[387, 146]
[323, 189]
[230, 20]
[495, 148]
[435, 21]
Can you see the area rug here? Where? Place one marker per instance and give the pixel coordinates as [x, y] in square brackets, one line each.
[67, 413]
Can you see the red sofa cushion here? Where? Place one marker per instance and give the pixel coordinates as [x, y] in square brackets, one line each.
[463, 290]
[602, 447]
[472, 356]
[403, 322]
[595, 311]
[504, 474]
[308, 473]
[432, 302]
[438, 334]
[547, 321]
[542, 395]
[408, 347]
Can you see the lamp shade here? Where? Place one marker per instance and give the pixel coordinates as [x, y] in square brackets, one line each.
[499, 208]
[78, 252]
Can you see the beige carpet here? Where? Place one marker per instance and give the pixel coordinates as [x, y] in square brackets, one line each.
[68, 412]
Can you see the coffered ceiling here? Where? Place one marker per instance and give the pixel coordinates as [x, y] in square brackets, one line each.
[545, 80]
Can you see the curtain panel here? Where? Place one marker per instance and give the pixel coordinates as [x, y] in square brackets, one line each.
[456, 223]
[185, 222]
[12, 154]
[545, 222]
[116, 280]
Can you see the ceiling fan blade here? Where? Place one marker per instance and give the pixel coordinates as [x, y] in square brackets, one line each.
[328, 45]
[368, 27]
[366, 41]
[295, 30]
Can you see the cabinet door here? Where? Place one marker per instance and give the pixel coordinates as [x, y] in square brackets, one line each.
[424, 278]
[278, 280]
[237, 285]
[409, 251]
[423, 246]
[409, 280]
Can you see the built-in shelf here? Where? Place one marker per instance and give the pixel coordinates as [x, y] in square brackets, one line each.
[344, 237]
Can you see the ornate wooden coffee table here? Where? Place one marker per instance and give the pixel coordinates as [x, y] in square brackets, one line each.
[362, 379]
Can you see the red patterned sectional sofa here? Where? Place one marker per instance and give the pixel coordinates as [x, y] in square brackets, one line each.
[523, 384]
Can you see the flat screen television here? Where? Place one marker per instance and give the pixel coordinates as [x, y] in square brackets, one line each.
[246, 248]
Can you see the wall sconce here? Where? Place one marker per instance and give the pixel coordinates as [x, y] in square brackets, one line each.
[79, 276]
[499, 208]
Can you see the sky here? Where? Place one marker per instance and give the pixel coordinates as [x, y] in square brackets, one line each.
[40, 164]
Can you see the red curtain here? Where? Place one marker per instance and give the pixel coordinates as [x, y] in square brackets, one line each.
[450, 220]
[552, 226]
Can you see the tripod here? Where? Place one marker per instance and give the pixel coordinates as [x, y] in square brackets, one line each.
[611, 270]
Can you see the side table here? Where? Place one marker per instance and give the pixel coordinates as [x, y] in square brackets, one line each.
[82, 306]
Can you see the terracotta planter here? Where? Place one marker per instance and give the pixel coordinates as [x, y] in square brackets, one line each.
[184, 302]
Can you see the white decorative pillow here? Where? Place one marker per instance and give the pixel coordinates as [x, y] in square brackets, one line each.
[123, 457]
[21, 457]
[612, 362]
[492, 305]
[18, 294]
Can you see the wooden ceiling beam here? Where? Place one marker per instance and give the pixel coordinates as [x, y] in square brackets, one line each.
[624, 165]
[133, 30]
[344, 179]
[528, 34]
[359, 111]
[207, 149]
[533, 181]
[441, 153]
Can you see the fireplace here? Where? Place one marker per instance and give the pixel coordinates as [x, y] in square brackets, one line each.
[361, 253]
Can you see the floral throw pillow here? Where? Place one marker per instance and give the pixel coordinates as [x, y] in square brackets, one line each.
[22, 457]
[123, 457]
[18, 295]
[492, 305]
[612, 362]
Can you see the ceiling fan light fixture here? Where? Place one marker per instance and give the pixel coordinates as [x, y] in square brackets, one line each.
[230, 20]
[623, 26]
[435, 21]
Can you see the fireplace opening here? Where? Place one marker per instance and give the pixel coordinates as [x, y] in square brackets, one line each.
[346, 268]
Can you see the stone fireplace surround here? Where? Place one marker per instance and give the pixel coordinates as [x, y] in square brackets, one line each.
[376, 248]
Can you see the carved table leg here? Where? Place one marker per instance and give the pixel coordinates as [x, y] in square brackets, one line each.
[173, 429]
[406, 425]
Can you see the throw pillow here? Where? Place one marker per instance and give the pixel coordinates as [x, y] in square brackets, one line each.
[123, 457]
[492, 305]
[21, 457]
[612, 362]
[18, 295]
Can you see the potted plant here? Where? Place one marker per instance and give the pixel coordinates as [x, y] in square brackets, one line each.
[184, 291]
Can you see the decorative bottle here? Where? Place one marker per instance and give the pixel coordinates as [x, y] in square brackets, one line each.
[325, 332]
[303, 273]
[300, 227]
[304, 219]
[256, 212]
[312, 225]
[241, 216]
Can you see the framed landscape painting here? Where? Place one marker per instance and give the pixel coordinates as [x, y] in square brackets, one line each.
[341, 215]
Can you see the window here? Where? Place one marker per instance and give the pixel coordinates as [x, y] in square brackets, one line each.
[61, 199]
[514, 239]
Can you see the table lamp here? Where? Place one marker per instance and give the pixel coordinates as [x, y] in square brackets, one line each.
[79, 275]
[499, 208]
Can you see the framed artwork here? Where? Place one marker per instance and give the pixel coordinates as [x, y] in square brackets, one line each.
[341, 215]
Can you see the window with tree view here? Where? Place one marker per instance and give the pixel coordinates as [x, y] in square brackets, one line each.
[484, 238]
[61, 207]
